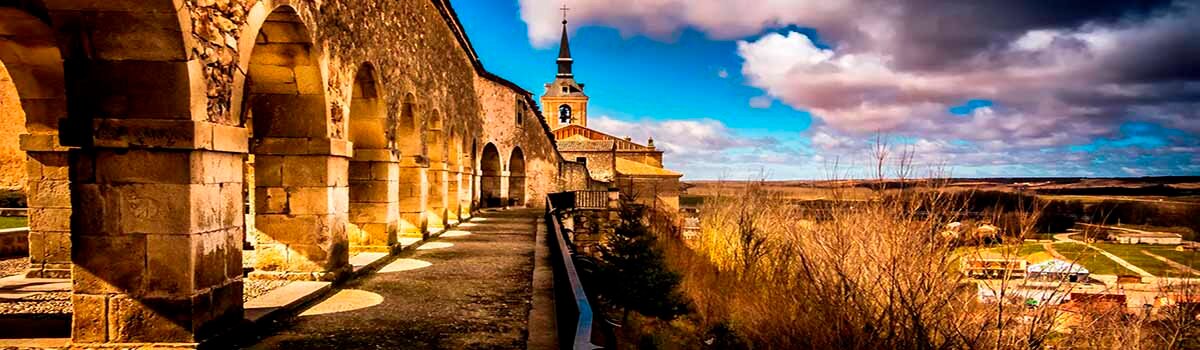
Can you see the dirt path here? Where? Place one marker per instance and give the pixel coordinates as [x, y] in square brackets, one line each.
[1172, 263]
[469, 289]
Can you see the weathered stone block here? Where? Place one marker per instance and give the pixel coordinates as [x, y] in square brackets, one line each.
[108, 264]
[89, 322]
[216, 167]
[270, 200]
[156, 208]
[170, 264]
[313, 200]
[49, 194]
[369, 191]
[268, 170]
[50, 219]
[210, 253]
[150, 320]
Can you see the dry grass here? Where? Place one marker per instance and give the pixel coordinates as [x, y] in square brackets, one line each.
[873, 275]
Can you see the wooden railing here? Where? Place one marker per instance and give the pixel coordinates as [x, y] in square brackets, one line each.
[585, 200]
[575, 320]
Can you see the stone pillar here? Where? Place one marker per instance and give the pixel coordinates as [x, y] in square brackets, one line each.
[48, 196]
[466, 186]
[411, 193]
[301, 209]
[374, 200]
[453, 189]
[503, 189]
[435, 207]
[156, 233]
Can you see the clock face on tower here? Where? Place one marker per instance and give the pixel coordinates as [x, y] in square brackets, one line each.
[564, 114]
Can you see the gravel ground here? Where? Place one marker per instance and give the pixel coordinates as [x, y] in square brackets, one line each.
[254, 288]
[13, 265]
[57, 303]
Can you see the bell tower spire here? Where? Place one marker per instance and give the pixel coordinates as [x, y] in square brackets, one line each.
[564, 49]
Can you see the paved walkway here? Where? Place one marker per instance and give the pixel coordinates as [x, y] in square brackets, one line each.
[468, 289]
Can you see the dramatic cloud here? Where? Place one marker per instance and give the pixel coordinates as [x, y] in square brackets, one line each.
[988, 83]
[695, 145]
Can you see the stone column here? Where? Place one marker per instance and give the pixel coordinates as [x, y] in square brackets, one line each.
[453, 188]
[156, 234]
[411, 192]
[374, 200]
[435, 206]
[466, 186]
[48, 196]
[502, 191]
[301, 206]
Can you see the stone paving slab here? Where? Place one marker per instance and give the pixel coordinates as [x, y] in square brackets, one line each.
[366, 260]
[283, 299]
[469, 290]
[19, 287]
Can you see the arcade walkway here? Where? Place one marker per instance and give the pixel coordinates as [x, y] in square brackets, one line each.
[469, 288]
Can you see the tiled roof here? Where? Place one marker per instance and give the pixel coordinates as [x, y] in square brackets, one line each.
[629, 167]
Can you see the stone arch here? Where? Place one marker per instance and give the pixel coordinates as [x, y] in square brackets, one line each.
[299, 174]
[516, 177]
[408, 130]
[33, 97]
[489, 182]
[372, 175]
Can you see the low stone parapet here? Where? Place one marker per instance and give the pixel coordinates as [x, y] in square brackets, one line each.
[14, 242]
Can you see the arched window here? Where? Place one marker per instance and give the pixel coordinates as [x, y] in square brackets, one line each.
[564, 114]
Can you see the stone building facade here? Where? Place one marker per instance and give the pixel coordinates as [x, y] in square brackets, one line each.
[160, 135]
[637, 170]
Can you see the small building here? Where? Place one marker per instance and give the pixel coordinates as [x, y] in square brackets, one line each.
[1057, 270]
[1164, 238]
[993, 265]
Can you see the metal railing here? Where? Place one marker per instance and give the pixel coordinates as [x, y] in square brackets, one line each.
[574, 311]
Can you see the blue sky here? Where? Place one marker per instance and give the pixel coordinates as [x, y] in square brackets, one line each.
[775, 98]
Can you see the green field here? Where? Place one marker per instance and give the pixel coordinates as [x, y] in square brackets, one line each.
[1132, 253]
[1095, 262]
[13, 221]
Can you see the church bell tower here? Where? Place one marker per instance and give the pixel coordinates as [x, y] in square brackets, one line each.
[564, 102]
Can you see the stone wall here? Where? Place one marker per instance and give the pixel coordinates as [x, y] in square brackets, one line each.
[600, 164]
[660, 192]
[501, 102]
[170, 98]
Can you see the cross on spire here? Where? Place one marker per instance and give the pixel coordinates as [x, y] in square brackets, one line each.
[564, 9]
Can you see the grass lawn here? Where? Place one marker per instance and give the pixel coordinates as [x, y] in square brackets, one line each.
[13, 221]
[1091, 259]
[1132, 253]
[1191, 259]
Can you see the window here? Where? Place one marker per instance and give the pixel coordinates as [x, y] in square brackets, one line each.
[520, 113]
[566, 90]
[581, 160]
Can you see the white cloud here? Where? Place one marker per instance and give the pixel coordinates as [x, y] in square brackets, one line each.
[761, 102]
[722, 73]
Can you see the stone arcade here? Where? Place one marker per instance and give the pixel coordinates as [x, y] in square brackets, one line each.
[159, 134]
